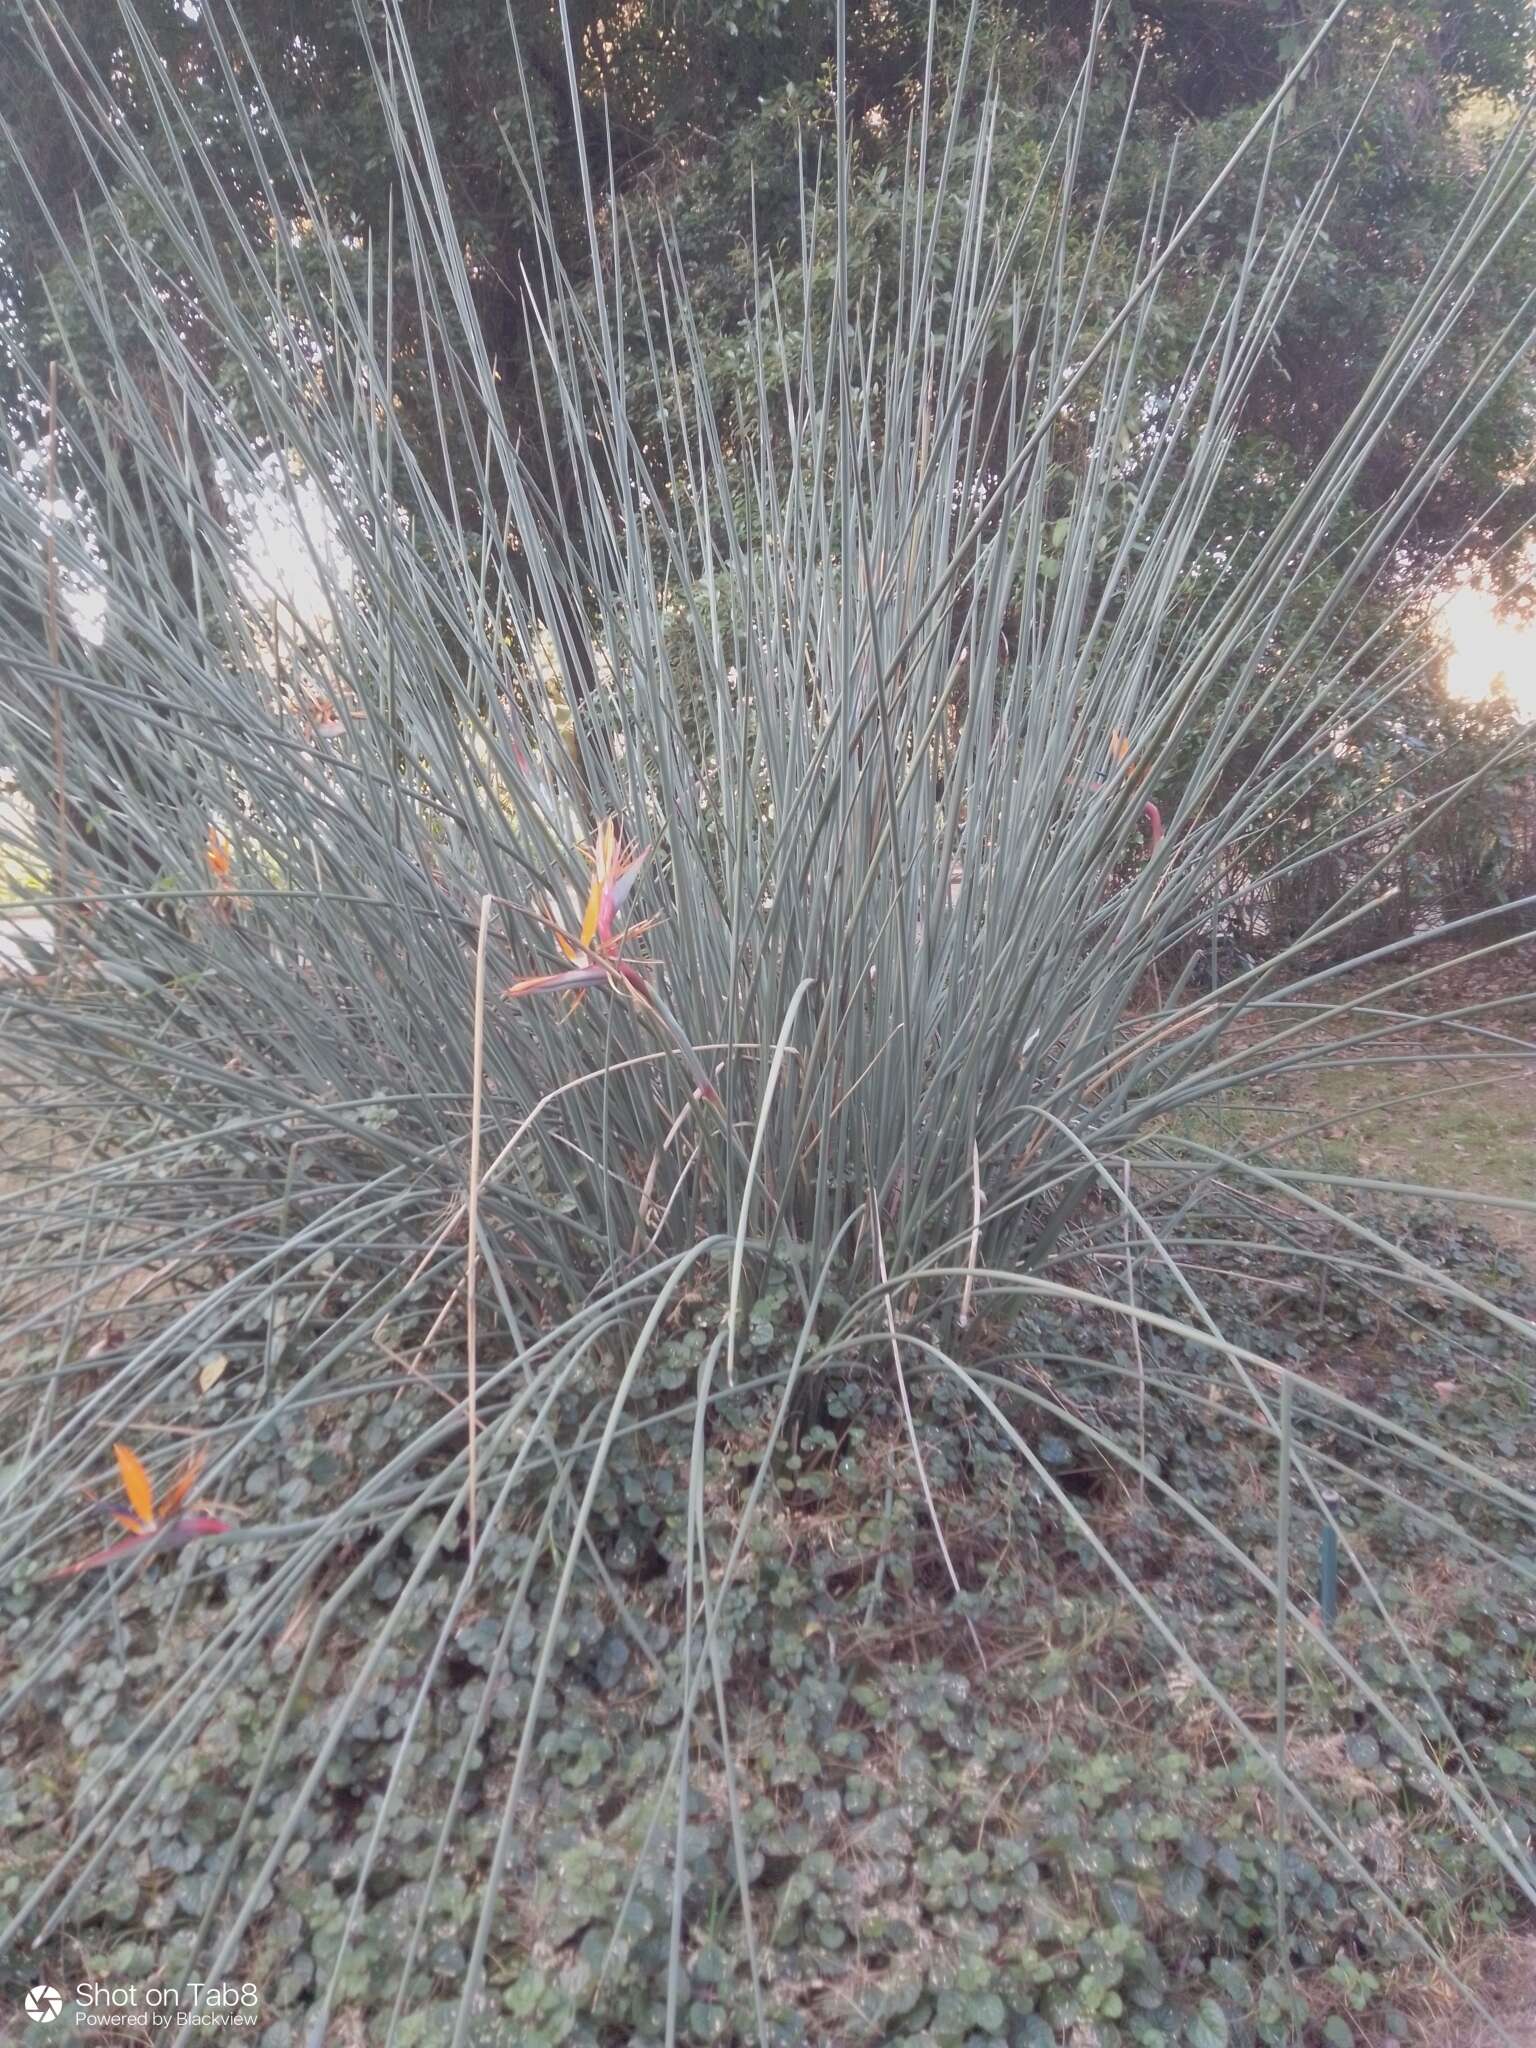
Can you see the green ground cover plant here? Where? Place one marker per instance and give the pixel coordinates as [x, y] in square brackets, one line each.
[645, 1026]
[948, 1838]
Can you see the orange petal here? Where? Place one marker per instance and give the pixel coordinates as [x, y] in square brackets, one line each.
[219, 856]
[141, 1495]
[181, 1486]
[589, 915]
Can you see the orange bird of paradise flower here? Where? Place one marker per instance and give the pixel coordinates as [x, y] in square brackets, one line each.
[595, 952]
[148, 1522]
[1120, 754]
[220, 857]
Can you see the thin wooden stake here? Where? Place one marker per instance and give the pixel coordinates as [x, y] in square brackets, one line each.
[970, 1263]
[1141, 1368]
[55, 658]
[471, 1329]
[1282, 1677]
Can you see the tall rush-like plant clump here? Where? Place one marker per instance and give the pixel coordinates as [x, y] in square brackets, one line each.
[351, 1073]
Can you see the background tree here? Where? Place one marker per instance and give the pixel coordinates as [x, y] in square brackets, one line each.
[684, 100]
[712, 117]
